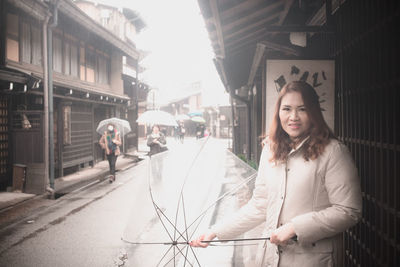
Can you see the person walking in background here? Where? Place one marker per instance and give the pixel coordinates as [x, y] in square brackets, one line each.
[181, 132]
[110, 141]
[307, 188]
[199, 131]
[157, 143]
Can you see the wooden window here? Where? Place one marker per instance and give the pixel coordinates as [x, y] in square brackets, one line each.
[67, 58]
[82, 68]
[57, 54]
[26, 42]
[12, 44]
[67, 125]
[31, 42]
[70, 56]
[90, 65]
[103, 73]
[74, 60]
[36, 45]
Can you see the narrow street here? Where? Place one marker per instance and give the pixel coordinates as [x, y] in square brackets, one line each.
[94, 225]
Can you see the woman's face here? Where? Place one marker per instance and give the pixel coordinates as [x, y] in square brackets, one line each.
[156, 130]
[293, 115]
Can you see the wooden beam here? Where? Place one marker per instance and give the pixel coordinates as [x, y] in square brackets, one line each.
[251, 37]
[261, 48]
[258, 55]
[298, 28]
[218, 28]
[219, 65]
[283, 15]
[328, 12]
[283, 48]
[245, 20]
[251, 27]
[248, 42]
[236, 10]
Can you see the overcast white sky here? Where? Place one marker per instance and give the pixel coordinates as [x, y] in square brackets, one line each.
[180, 48]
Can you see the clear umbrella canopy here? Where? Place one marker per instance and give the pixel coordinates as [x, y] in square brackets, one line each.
[157, 117]
[121, 125]
[188, 189]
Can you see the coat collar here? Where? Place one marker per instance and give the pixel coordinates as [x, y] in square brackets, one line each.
[299, 146]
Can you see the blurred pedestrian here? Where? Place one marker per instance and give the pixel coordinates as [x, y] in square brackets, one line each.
[307, 188]
[199, 131]
[157, 143]
[110, 141]
[181, 132]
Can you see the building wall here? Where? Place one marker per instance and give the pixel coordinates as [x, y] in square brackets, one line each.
[5, 169]
[110, 18]
[73, 65]
[117, 84]
[366, 54]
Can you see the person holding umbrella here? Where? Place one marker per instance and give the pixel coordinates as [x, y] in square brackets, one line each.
[110, 141]
[157, 143]
[307, 190]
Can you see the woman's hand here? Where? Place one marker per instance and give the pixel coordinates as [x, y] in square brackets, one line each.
[283, 234]
[116, 141]
[204, 237]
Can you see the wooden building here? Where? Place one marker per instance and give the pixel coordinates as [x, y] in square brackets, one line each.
[88, 86]
[357, 42]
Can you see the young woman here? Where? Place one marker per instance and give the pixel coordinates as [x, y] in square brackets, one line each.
[110, 142]
[307, 187]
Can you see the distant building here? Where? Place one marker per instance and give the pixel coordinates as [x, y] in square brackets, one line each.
[125, 23]
[89, 86]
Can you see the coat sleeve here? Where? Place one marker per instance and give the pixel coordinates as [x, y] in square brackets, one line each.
[102, 142]
[117, 140]
[343, 187]
[163, 140]
[149, 140]
[250, 215]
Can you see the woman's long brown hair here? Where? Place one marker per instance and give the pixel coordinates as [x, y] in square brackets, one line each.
[319, 132]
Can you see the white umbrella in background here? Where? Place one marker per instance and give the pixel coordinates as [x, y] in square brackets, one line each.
[182, 117]
[198, 119]
[159, 117]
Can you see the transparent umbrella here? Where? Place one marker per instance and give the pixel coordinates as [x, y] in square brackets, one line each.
[159, 117]
[121, 125]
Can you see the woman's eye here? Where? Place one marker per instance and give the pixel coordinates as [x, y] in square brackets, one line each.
[302, 109]
[285, 109]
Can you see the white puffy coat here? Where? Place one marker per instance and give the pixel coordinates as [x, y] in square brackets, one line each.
[321, 197]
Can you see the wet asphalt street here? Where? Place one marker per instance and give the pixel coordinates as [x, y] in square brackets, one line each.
[168, 198]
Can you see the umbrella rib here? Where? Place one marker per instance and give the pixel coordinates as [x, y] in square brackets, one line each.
[185, 234]
[194, 254]
[157, 209]
[163, 257]
[251, 177]
[186, 259]
[188, 172]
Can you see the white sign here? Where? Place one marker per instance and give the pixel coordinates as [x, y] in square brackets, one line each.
[318, 73]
